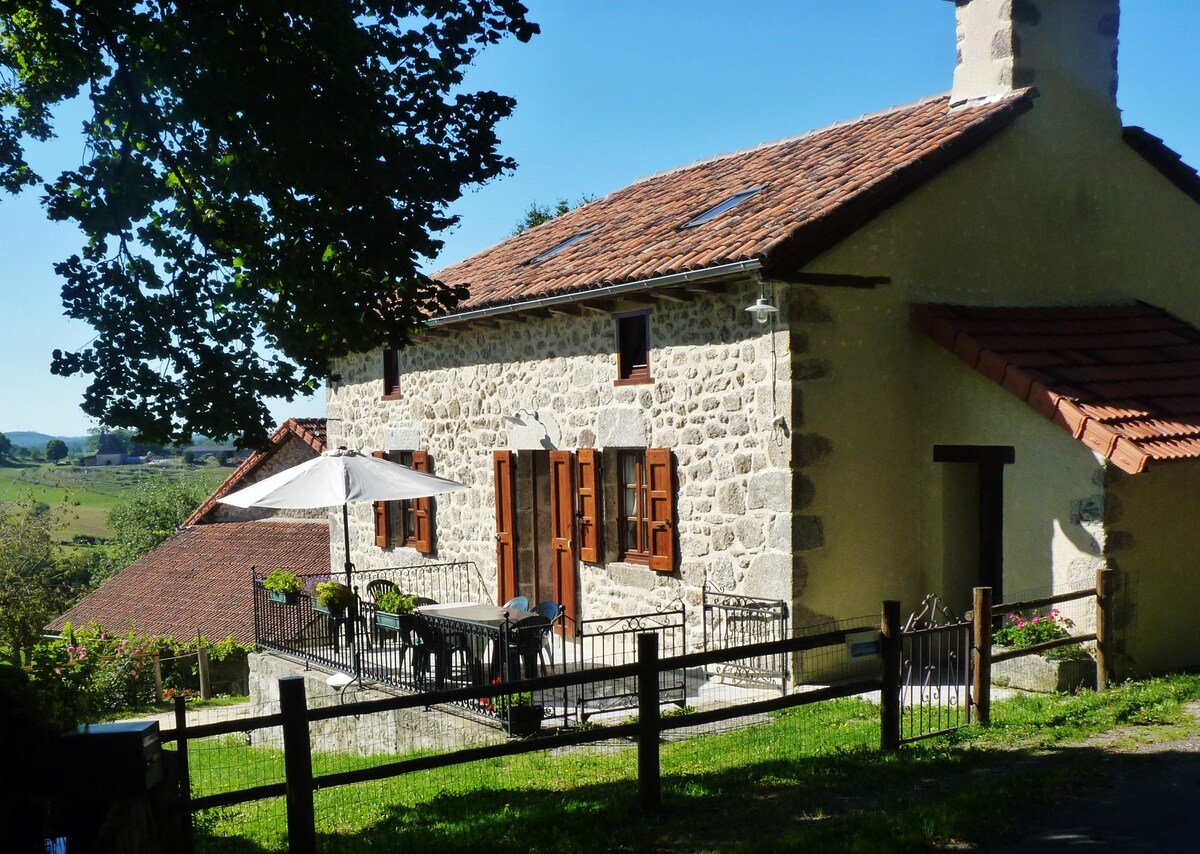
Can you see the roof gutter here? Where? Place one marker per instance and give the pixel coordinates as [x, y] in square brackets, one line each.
[706, 274]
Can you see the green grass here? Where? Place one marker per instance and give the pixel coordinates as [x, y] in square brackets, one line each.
[88, 494]
[812, 779]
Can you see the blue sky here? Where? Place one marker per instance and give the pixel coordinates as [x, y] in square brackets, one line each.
[613, 90]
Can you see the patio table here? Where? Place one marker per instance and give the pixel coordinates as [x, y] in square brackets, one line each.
[478, 624]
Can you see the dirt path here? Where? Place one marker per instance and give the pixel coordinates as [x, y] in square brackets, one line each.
[1142, 795]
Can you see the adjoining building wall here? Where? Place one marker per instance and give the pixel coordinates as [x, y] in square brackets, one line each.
[720, 401]
[1057, 210]
[293, 453]
[1154, 544]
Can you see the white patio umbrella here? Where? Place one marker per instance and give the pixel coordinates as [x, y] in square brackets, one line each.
[339, 477]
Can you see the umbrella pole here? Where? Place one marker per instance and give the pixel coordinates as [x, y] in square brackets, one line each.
[346, 533]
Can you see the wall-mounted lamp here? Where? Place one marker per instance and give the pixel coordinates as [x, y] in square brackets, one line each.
[762, 310]
[516, 419]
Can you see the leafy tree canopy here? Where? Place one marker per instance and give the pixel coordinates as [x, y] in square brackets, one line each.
[5, 445]
[56, 449]
[260, 183]
[149, 516]
[32, 591]
[537, 213]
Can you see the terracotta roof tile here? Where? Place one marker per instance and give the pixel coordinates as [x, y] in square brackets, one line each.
[839, 176]
[199, 580]
[1124, 379]
[311, 431]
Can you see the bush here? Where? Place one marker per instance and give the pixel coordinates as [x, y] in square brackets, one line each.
[1022, 632]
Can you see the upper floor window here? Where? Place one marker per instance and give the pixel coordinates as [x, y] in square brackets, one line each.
[633, 348]
[391, 373]
[406, 523]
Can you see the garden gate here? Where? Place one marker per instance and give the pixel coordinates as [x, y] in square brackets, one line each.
[935, 671]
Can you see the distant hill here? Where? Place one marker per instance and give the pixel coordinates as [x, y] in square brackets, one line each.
[26, 439]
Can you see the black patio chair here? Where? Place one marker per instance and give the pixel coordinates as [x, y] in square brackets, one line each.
[522, 649]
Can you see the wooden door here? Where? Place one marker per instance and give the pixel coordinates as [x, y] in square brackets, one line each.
[506, 526]
[562, 530]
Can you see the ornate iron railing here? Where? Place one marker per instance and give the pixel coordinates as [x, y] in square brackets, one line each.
[732, 620]
[456, 581]
[613, 640]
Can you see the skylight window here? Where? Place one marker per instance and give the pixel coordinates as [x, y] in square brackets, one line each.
[554, 250]
[714, 212]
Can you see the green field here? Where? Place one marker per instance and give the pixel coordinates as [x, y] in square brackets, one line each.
[88, 494]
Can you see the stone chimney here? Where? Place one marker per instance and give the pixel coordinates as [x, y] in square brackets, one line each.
[1063, 48]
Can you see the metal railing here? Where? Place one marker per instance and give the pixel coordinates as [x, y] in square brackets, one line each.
[456, 581]
[732, 620]
[612, 641]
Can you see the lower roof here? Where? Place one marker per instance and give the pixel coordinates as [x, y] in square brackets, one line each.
[199, 581]
[1123, 379]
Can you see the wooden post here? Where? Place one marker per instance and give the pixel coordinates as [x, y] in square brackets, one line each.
[1104, 601]
[202, 666]
[889, 699]
[981, 688]
[297, 764]
[157, 678]
[185, 780]
[649, 783]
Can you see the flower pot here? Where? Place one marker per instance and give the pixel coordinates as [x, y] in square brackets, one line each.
[284, 598]
[1044, 676]
[388, 621]
[336, 613]
[522, 721]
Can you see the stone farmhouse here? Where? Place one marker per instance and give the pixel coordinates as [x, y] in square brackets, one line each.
[975, 361]
[198, 581]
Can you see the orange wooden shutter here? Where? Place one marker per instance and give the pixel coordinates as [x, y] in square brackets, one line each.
[661, 511]
[506, 527]
[383, 526]
[562, 529]
[587, 481]
[423, 507]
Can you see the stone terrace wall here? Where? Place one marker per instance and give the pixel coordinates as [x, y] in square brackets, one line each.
[721, 399]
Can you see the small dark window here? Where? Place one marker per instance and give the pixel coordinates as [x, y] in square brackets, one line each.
[716, 210]
[633, 523]
[391, 373]
[633, 348]
[554, 250]
[403, 513]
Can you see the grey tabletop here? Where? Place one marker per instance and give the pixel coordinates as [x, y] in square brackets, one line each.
[480, 613]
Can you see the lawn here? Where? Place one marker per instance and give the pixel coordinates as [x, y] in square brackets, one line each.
[88, 494]
[810, 779]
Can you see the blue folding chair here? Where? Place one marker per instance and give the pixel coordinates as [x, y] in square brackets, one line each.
[518, 603]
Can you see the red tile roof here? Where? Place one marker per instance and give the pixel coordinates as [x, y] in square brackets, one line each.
[311, 431]
[199, 580]
[1124, 380]
[817, 188]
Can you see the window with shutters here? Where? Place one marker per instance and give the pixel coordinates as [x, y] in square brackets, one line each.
[391, 374]
[646, 507]
[406, 523]
[633, 348]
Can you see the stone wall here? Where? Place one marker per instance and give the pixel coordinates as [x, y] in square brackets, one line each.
[720, 400]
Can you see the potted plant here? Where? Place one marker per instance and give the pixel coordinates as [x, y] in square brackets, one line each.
[521, 716]
[1063, 668]
[332, 597]
[282, 586]
[391, 607]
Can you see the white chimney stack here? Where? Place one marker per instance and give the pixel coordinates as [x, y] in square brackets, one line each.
[1063, 48]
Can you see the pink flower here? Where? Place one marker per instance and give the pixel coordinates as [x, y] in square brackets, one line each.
[104, 636]
[70, 650]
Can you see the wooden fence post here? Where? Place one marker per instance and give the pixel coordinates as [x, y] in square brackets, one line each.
[202, 666]
[297, 765]
[889, 698]
[157, 660]
[1104, 601]
[185, 778]
[649, 782]
[981, 688]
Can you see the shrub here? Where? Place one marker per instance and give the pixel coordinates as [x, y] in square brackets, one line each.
[1022, 632]
[280, 580]
[333, 595]
[395, 602]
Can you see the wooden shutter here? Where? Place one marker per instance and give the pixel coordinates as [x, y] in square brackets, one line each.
[383, 524]
[506, 526]
[423, 508]
[587, 482]
[562, 529]
[661, 512]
